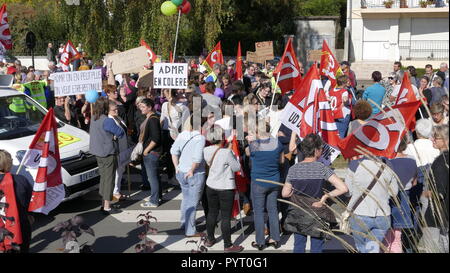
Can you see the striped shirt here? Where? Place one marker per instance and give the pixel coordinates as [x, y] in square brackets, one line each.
[308, 178]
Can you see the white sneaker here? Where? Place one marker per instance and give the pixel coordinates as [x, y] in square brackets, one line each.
[149, 205]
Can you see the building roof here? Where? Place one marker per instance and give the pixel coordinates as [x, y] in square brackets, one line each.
[316, 18]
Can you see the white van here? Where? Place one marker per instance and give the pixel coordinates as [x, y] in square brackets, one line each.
[79, 168]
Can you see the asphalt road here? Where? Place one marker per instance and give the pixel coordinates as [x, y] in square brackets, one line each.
[119, 233]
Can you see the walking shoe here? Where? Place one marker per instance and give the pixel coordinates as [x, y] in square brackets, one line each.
[247, 208]
[149, 205]
[110, 211]
[275, 245]
[234, 249]
[197, 235]
[259, 247]
[210, 243]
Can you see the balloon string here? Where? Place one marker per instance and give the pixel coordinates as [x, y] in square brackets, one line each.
[176, 36]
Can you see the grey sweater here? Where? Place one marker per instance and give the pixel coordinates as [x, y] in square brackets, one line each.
[224, 166]
[359, 178]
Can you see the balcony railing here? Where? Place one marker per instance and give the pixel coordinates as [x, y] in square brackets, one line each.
[396, 4]
[424, 50]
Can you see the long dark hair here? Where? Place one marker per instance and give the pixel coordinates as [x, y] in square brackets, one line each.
[100, 107]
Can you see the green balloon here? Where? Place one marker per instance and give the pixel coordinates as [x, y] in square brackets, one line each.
[177, 2]
[168, 8]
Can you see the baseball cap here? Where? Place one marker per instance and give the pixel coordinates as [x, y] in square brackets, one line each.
[345, 63]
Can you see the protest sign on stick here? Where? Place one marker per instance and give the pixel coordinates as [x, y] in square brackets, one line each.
[253, 57]
[130, 61]
[170, 75]
[74, 83]
[264, 50]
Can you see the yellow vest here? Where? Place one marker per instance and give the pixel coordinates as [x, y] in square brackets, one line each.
[37, 91]
[18, 105]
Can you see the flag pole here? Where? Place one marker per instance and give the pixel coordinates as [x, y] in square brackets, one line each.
[21, 162]
[240, 216]
[273, 91]
[176, 36]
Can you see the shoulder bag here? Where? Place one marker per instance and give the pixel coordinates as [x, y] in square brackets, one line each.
[345, 217]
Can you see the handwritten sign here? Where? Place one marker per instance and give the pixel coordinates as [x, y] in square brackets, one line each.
[74, 83]
[130, 61]
[314, 55]
[264, 50]
[170, 75]
[253, 57]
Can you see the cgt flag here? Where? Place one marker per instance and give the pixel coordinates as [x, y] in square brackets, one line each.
[239, 71]
[309, 112]
[215, 57]
[5, 33]
[329, 66]
[406, 93]
[288, 70]
[69, 54]
[241, 180]
[151, 54]
[382, 134]
[43, 154]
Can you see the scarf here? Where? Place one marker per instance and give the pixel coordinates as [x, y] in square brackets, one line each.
[9, 215]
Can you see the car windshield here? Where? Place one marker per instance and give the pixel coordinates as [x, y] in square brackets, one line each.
[19, 117]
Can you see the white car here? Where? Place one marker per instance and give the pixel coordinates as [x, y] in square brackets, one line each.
[79, 168]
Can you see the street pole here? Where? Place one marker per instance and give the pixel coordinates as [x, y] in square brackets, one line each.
[176, 35]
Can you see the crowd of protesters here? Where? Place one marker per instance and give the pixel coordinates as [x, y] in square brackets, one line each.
[156, 129]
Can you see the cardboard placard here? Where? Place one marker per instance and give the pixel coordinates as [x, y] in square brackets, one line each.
[130, 61]
[74, 83]
[170, 75]
[264, 50]
[145, 79]
[314, 55]
[253, 57]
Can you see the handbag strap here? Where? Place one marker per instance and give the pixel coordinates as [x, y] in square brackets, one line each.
[182, 149]
[369, 188]
[214, 156]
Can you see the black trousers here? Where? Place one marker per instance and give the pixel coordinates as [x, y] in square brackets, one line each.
[219, 201]
[167, 143]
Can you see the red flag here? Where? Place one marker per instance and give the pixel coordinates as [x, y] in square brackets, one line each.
[235, 211]
[241, 180]
[214, 57]
[69, 54]
[309, 112]
[288, 70]
[5, 33]
[9, 215]
[43, 154]
[406, 93]
[171, 57]
[151, 54]
[382, 134]
[239, 71]
[329, 66]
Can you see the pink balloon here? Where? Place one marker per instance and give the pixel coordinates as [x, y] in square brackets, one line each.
[186, 8]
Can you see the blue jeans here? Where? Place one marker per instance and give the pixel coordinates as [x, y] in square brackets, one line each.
[300, 244]
[265, 198]
[151, 175]
[342, 126]
[369, 232]
[192, 189]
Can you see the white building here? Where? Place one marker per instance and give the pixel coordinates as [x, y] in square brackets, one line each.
[378, 36]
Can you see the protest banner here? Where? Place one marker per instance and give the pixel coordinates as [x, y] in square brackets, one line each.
[74, 83]
[264, 50]
[170, 75]
[253, 57]
[130, 61]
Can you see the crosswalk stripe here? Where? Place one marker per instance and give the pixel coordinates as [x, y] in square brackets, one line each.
[162, 215]
[178, 242]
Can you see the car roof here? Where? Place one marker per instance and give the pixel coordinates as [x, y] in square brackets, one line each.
[6, 92]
